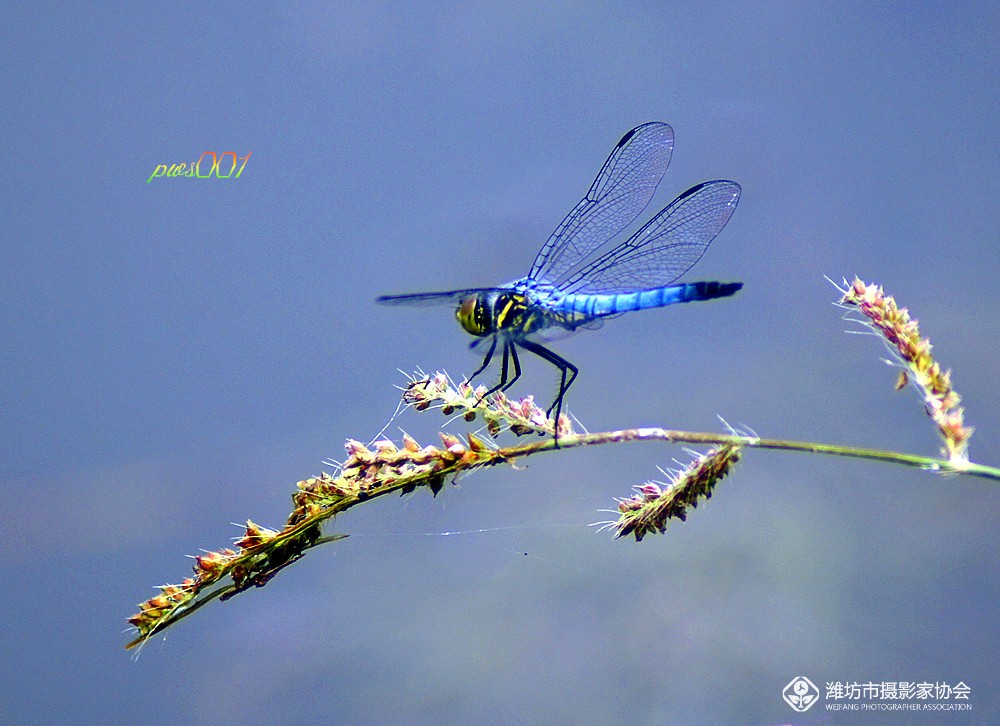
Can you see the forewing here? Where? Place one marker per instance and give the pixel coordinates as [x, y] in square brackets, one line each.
[431, 298]
[666, 247]
[621, 190]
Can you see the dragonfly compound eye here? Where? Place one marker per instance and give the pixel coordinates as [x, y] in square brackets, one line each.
[472, 316]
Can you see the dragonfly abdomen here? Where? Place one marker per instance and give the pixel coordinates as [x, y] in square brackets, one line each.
[600, 305]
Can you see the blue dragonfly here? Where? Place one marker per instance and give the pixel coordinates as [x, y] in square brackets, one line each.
[577, 280]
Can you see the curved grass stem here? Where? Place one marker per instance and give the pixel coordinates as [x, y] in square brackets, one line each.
[929, 463]
[263, 553]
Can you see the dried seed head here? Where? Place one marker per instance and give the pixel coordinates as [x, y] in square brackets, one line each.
[497, 411]
[903, 336]
[648, 510]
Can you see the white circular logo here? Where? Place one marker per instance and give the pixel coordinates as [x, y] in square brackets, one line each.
[800, 694]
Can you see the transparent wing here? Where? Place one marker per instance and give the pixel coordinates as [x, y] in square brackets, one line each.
[431, 298]
[622, 189]
[665, 248]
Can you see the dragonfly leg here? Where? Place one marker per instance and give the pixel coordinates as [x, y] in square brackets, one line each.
[486, 360]
[566, 368]
[517, 366]
[508, 351]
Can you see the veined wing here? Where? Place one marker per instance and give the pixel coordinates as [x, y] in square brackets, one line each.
[431, 298]
[665, 248]
[621, 190]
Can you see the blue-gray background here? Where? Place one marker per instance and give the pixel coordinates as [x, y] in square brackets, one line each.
[175, 355]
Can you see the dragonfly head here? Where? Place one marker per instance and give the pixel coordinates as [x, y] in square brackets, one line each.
[474, 315]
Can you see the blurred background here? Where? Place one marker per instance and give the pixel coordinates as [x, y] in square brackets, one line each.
[176, 354]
